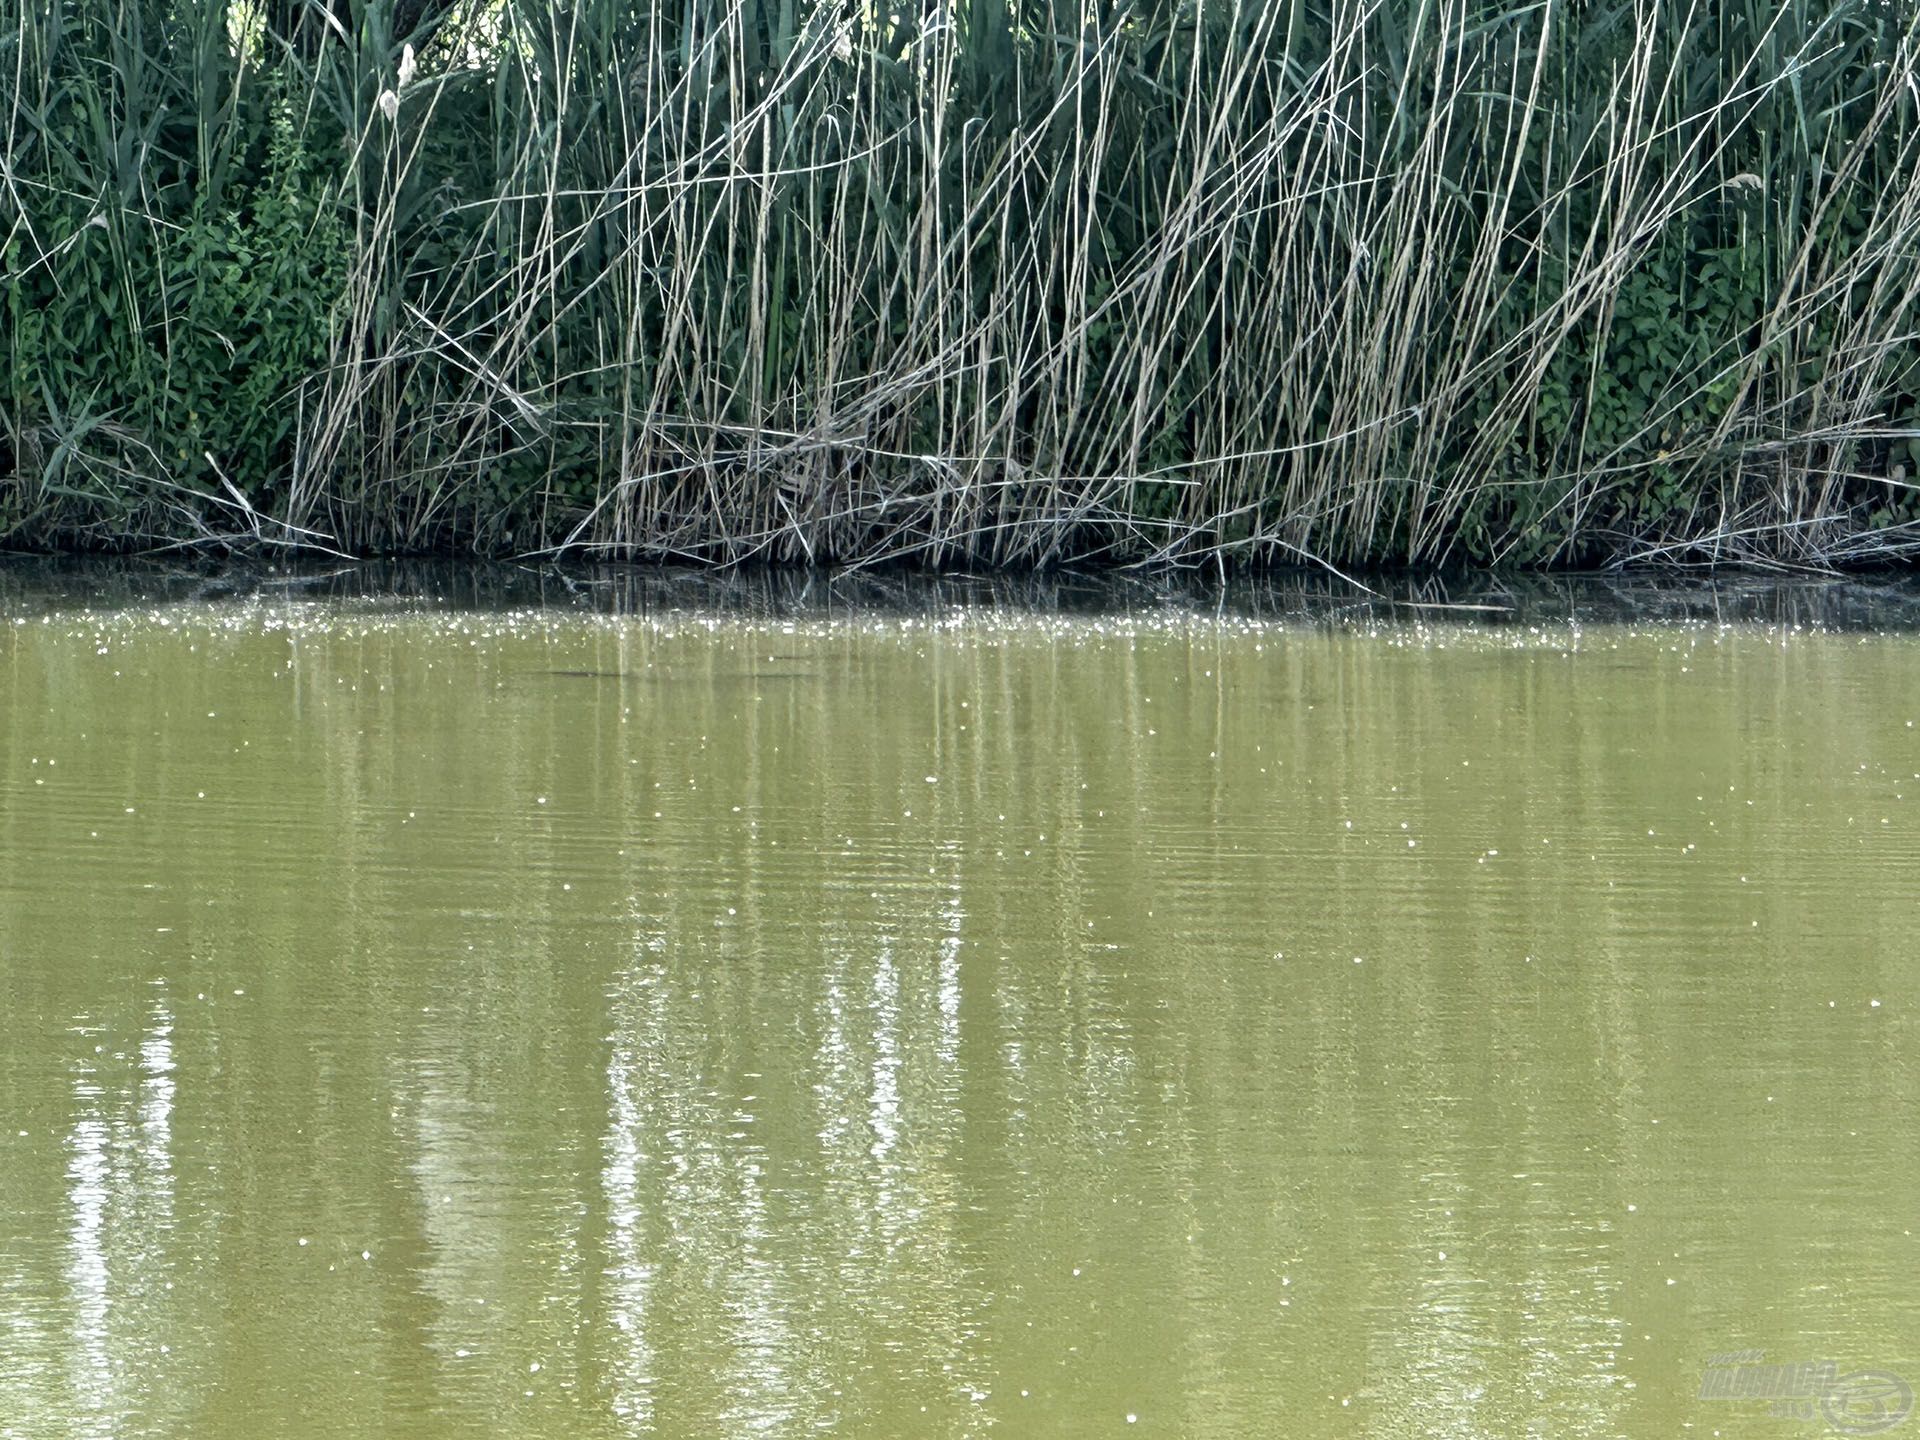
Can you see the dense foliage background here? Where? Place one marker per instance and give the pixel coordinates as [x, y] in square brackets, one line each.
[1004, 281]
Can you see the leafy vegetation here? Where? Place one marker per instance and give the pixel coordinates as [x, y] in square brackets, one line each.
[988, 281]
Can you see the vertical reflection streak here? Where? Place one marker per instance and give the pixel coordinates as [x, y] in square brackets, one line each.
[156, 1118]
[88, 1168]
[120, 1203]
[631, 1269]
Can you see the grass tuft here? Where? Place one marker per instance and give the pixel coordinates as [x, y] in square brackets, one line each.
[1002, 282]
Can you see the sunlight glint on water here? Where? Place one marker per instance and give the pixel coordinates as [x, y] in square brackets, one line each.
[430, 1022]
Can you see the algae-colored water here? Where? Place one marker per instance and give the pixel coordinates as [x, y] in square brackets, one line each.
[423, 1020]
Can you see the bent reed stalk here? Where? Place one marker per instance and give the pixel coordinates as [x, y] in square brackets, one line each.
[1000, 282]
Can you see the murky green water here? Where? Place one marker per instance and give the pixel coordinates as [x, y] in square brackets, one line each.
[1126, 1022]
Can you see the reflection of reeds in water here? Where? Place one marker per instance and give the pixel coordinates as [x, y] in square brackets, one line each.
[1004, 282]
[783, 1093]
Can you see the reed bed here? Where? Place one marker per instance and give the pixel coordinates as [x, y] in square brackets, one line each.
[965, 282]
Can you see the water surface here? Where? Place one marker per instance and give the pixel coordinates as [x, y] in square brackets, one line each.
[1122, 1015]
